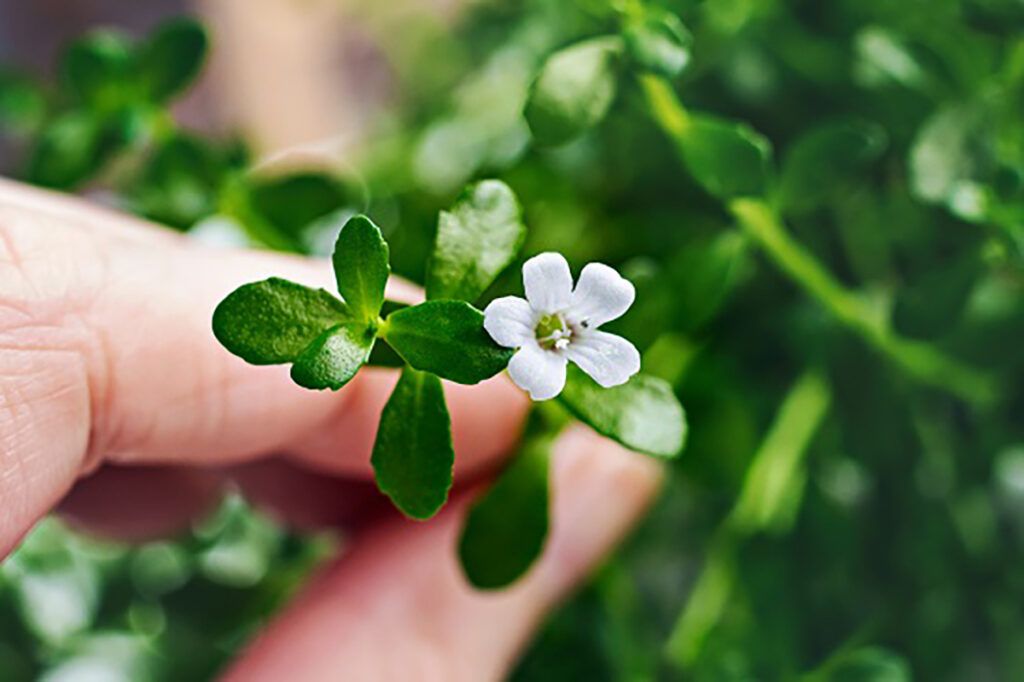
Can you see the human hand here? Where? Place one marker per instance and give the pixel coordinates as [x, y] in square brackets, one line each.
[109, 371]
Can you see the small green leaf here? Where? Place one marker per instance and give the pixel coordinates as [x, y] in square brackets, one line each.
[822, 162]
[870, 664]
[945, 152]
[97, 69]
[274, 320]
[334, 357]
[22, 104]
[659, 42]
[171, 58]
[291, 203]
[69, 150]
[476, 240]
[574, 90]
[448, 339]
[361, 267]
[727, 158]
[506, 528]
[413, 455]
[642, 414]
[179, 183]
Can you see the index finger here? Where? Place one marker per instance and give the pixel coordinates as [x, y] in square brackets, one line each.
[107, 355]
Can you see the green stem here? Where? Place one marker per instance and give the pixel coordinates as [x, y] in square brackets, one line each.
[917, 359]
[768, 501]
[760, 221]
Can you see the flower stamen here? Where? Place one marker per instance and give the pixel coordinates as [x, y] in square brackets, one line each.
[553, 333]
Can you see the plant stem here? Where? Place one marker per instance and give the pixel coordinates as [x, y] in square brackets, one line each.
[761, 222]
[771, 494]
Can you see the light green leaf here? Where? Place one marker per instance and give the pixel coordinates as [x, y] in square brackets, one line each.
[658, 42]
[274, 320]
[574, 90]
[97, 69]
[505, 529]
[727, 158]
[413, 455]
[476, 240]
[22, 104]
[642, 414]
[361, 267]
[334, 357]
[172, 58]
[945, 153]
[822, 162]
[446, 338]
[870, 664]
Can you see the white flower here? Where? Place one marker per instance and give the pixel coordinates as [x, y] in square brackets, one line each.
[556, 324]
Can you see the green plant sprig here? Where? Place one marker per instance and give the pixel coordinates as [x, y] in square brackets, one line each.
[327, 339]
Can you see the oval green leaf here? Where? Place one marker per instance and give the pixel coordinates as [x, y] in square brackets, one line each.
[642, 414]
[413, 455]
[172, 58]
[574, 90]
[727, 158]
[22, 104]
[69, 150]
[334, 357]
[97, 69]
[274, 320]
[505, 529]
[290, 203]
[448, 339]
[361, 267]
[475, 241]
[179, 183]
[825, 160]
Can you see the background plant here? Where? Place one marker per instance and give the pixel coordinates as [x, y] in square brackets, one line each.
[838, 308]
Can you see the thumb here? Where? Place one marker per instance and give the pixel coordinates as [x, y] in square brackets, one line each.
[397, 607]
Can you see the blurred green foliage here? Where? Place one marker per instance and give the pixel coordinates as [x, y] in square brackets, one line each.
[847, 343]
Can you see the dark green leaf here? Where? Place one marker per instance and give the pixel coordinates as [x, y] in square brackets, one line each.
[361, 267]
[573, 91]
[413, 456]
[505, 529]
[642, 414]
[475, 241]
[728, 159]
[171, 58]
[69, 150]
[97, 69]
[22, 105]
[659, 42]
[334, 357]
[179, 183]
[822, 162]
[274, 320]
[933, 302]
[448, 339]
[290, 203]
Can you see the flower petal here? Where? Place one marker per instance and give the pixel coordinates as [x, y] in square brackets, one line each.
[548, 282]
[601, 295]
[539, 372]
[610, 360]
[510, 321]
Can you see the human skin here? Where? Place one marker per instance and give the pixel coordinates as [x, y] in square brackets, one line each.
[119, 408]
